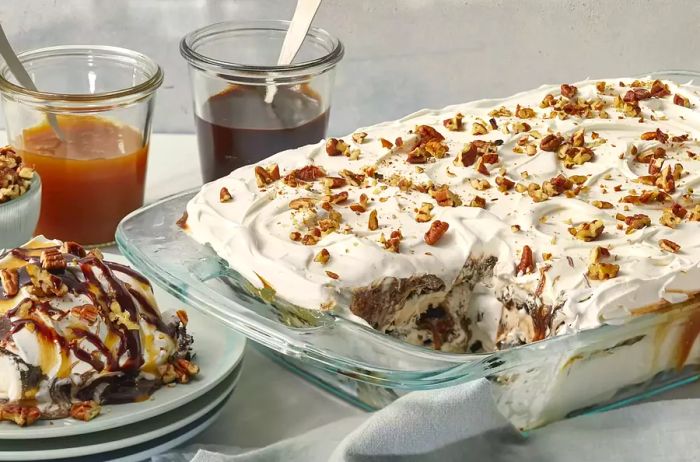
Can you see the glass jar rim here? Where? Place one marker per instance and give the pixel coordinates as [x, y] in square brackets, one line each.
[148, 86]
[196, 59]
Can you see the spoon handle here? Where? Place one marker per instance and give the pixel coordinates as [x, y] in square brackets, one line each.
[301, 22]
[22, 76]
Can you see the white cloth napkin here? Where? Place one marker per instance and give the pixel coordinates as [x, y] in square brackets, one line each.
[462, 424]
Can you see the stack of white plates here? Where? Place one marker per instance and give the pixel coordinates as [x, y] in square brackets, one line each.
[137, 431]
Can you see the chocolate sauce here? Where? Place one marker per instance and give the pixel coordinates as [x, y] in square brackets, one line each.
[237, 127]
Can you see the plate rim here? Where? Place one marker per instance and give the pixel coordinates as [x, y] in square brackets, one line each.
[214, 398]
[103, 423]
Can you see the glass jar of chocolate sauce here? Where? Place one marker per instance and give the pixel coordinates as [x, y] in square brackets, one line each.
[232, 66]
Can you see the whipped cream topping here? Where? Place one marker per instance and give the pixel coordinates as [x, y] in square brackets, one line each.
[68, 334]
[599, 119]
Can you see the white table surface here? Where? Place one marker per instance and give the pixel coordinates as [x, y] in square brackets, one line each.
[270, 403]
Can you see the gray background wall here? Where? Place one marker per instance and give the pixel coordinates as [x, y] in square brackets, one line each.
[402, 55]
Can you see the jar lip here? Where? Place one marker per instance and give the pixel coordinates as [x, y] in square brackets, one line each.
[149, 85]
[199, 60]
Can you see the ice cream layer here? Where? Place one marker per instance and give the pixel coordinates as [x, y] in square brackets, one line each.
[480, 225]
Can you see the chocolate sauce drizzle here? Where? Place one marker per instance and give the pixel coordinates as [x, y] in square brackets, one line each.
[82, 280]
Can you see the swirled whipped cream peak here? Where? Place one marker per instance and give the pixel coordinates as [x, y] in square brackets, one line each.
[481, 225]
[77, 331]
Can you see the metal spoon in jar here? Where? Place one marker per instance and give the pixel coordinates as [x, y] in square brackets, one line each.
[301, 22]
[22, 76]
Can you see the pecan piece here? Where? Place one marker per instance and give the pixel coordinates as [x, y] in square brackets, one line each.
[527, 263]
[225, 195]
[680, 100]
[10, 281]
[568, 90]
[455, 123]
[478, 202]
[602, 271]
[19, 414]
[85, 410]
[266, 176]
[373, 221]
[588, 231]
[336, 147]
[423, 214]
[551, 143]
[355, 179]
[437, 230]
[417, 156]
[74, 248]
[45, 284]
[182, 221]
[602, 204]
[669, 246]
[302, 203]
[52, 261]
[87, 313]
[332, 182]
[386, 143]
[322, 257]
[359, 137]
[185, 370]
[332, 275]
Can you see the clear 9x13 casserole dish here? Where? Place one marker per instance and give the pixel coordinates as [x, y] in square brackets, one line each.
[583, 338]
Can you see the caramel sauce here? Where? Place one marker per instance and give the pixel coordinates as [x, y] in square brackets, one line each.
[90, 181]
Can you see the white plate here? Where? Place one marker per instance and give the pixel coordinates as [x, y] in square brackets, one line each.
[218, 351]
[120, 438]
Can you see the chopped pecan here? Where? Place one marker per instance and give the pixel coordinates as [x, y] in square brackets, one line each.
[295, 236]
[359, 137]
[437, 230]
[266, 176]
[322, 256]
[524, 112]
[445, 197]
[602, 204]
[504, 184]
[527, 263]
[468, 155]
[635, 222]
[588, 231]
[479, 128]
[568, 90]
[601, 271]
[52, 260]
[455, 123]
[85, 410]
[336, 147]
[88, 313]
[225, 195]
[182, 221]
[302, 203]
[332, 182]
[669, 246]
[659, 89]
[20, 414]
[10, 281]
[423, 214]
[427, 133]
[355, 179]
[435, 148]
[598, 254]
[417, 156]
[332, 275]
[680, 100]
[501, 111]
[635, 95]
[74, 248]
[338, 198]
[551, 143]
[182, 316]
[309, 173]
[386, 143]
[480, 184]
[478, 201]
[373, 221]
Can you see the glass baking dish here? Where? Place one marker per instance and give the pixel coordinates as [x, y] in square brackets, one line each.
[533, 384]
